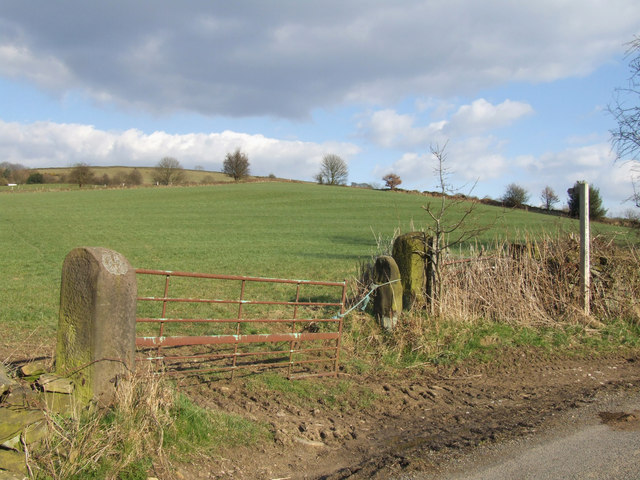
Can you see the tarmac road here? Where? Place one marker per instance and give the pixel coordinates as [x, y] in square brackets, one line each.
[598, 441]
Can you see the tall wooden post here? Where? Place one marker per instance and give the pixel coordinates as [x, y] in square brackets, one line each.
[585, 242]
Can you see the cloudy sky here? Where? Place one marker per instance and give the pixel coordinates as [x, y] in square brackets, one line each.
[516, 90]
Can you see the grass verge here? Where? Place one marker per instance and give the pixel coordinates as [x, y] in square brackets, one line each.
[418, 341]
[147, 428]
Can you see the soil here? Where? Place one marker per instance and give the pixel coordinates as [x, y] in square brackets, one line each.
[418, 418]
[413, 420]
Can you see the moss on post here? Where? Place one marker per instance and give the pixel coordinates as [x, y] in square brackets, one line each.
[411, 253]
[96, 326]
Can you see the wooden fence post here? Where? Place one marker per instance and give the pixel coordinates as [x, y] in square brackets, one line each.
[585, 262]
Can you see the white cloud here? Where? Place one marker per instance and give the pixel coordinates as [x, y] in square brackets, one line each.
[482, 116]
[592, 163]
[470, 160]
[388, 129]
[286, 59]
[45, 144]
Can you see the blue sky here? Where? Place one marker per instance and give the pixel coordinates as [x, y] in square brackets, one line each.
[517, 91]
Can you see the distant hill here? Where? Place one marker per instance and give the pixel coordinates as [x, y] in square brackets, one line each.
[191, 176]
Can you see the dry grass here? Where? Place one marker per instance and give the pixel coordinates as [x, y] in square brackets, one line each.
[96, 442]
[527, 295]
[149, 430]
[538, 284]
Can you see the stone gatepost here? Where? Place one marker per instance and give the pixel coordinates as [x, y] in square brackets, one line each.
[412, 253]
[97, 323]
[387, 301]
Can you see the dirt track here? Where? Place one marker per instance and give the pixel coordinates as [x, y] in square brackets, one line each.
[419, 419]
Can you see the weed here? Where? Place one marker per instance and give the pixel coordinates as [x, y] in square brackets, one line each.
[197, 429]
[148, 424]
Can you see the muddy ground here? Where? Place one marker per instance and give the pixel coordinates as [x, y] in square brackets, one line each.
[398, 423]
[417, 419]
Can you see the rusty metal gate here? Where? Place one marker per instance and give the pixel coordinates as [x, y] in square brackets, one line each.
[192, 323]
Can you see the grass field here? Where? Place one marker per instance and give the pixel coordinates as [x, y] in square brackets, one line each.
[271, 229]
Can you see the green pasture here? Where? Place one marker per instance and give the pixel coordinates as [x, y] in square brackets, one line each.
[272, 229]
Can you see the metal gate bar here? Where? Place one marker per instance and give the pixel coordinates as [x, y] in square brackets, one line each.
[322, 350]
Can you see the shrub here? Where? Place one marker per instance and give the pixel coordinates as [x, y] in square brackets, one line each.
[515, 196]
[35, 177]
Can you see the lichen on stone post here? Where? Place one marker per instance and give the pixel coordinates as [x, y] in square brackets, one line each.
[412, 252]
[97, 321]
[387, 302]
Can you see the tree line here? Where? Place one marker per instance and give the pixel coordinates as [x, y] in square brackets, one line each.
[80, 174]
[517, 196]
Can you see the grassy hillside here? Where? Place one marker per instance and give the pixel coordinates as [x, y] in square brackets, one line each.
[265, 229]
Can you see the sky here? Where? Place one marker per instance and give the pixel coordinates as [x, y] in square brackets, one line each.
[511, 91]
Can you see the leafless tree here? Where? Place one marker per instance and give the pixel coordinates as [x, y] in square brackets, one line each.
[450, 225]
[236, 165]
[626, 110]
[168, 171]
[549, 198]
[134, 177]
[333, 170]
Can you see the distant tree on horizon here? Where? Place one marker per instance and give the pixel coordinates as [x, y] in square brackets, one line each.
[13, 172]
[81, 174]
[596, 211]
[333, 171]
[515, 196]
[391, 180]
[549, 198]
[168, 171]
[236, 165]
[134, 177]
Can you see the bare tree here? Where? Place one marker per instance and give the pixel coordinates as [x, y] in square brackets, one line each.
[81, 174]
[236, 165]
[168, 171]
[549, 198]
[449, 226]
[134, 177]
[13, 173]
[625, 109]
[391, 181]
[636, 194]
[333, 171]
